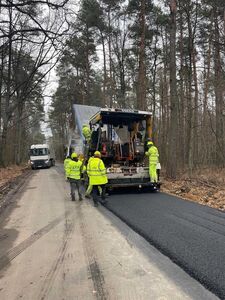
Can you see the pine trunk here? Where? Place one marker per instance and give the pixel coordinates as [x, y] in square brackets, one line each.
[218, 94]
[141, 86]
[172, 153]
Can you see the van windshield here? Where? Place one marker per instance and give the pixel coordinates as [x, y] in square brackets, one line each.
[39, 151]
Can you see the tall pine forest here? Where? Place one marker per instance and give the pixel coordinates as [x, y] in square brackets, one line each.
[164, 56]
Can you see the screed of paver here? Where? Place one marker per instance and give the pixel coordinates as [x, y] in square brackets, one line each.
[65, 250]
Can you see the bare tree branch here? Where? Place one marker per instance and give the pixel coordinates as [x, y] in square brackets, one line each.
[26, 3]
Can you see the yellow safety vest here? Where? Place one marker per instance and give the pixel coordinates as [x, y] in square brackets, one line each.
[96, 171]
[153, 155]
[66, 165]
[74, 169]
[83, 169]
[86, 131]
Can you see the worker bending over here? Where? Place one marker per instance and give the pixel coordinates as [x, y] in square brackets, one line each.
[66, 165]
[97, 176]
[153, 155]
[86, 131]
[74, 175]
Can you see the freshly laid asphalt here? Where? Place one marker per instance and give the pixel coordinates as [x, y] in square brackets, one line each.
[191, 235]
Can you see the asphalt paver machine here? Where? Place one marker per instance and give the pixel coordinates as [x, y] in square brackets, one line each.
[121, 135]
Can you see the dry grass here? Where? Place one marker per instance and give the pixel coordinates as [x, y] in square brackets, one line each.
[205, 186]
[9, 173]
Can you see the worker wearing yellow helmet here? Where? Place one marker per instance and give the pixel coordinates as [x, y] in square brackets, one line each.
[153, 155]
[90, 187]
[74, 175]
[86, 131]
[97, 176]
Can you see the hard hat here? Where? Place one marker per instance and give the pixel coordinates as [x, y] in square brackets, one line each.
[74, 155]
[149, 143]
[97, 153]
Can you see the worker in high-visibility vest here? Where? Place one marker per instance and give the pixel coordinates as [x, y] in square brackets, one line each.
[74, 175]
[86, 131]
[153, 155]
[97, 176]
[90, 187]
[66, 164]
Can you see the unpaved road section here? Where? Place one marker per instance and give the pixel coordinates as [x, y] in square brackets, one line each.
[52, 248]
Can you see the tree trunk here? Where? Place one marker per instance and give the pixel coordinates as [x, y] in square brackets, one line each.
[18, 133]
[110, 61]
[3, 158]
[182, 96]
[205, 119]
[172, 153]
[196, 110]
[1, 81]
[141, 86]
[87, 98]
[218, 94]
[154, 74]
[190, 105]
[104, 102]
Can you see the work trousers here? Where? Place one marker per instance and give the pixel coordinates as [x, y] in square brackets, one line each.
[90, 188]
[95, 192]
[153, 172]
[75, 185]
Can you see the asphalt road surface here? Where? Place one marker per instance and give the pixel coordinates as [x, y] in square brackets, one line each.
[53, 248]
[192, 235]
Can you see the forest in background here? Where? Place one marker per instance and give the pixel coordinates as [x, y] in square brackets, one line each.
[163, 56]
[32, 33]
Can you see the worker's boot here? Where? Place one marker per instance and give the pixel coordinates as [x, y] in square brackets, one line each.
[87, 196]
[80, 198]
[72, 197]
[103, 200]
[96, 203]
